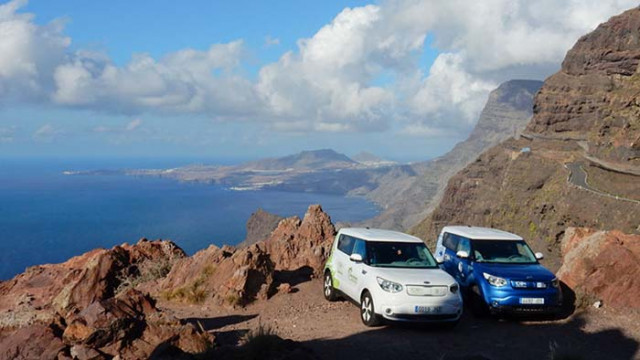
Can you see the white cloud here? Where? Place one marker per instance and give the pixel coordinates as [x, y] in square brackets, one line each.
[134, 124]
[331, 82]
[129, 127]
[7, 134]
[270, 41]
[47, 133]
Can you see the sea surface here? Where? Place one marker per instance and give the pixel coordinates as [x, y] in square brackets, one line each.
[48, 217]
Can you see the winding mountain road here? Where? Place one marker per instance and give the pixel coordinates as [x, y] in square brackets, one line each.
[578, 177]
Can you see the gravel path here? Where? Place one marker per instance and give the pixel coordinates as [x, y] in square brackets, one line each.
[334, 331]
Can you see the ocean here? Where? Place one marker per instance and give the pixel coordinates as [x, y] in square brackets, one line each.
[48, 217]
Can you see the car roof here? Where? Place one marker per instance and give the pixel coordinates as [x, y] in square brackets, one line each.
[368, 234]
[480, 233]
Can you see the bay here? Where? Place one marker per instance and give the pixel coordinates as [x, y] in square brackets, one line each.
[48, 217]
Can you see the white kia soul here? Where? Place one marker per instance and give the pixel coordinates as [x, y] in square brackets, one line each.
[391, 275]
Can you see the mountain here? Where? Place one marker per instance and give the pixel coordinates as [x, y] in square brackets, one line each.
[369, 159]
[305, 160]
[577, 164]
[408, 198]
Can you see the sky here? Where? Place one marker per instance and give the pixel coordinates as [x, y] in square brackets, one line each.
[403, 79]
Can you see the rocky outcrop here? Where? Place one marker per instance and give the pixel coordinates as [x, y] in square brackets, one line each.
[293, 252]
[44, 290]
[225, 275]
[86, 308]
[259, 226]
[409, 197]
[302, 244]
[602, 265]
[525, 185]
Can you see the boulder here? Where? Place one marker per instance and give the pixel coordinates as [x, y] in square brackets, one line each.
[602, 265]
[226, 275]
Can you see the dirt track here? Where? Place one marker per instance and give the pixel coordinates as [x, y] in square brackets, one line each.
[334, 331]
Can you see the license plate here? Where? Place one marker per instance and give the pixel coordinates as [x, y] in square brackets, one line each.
[532, 301]
[428, 309]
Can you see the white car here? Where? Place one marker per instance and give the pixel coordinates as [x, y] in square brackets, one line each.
[392, 276]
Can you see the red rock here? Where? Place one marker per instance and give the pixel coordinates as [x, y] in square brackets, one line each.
[34, 342]
[302, 243]
[602, 264]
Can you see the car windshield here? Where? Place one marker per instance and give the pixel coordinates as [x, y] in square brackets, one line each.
[399, 255]
[502, 251]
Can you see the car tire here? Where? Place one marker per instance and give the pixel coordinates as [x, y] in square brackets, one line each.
[367, 310]
[328, 290]
[476, 302]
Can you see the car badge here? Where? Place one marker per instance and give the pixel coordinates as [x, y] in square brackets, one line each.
[529, 277]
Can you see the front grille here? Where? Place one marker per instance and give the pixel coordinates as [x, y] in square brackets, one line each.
[527, 284]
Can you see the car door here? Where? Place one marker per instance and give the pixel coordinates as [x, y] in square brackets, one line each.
[463, 266]
[343, 263]
[357, 270]
[450, 243]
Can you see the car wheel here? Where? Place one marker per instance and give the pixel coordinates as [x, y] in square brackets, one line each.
[328, 290]
[367, 310]
[478, 307]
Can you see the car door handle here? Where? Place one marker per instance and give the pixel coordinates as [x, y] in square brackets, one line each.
[364, 272]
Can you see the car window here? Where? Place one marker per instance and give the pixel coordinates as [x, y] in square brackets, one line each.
[450, 241]
[345, 244]
[464, 245]
[399, 255]
[360, 248]
[503, 251]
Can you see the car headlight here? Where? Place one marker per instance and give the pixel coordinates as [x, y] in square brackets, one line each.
[555, 283]
[389, 286]
[454, 288]
[495, 280]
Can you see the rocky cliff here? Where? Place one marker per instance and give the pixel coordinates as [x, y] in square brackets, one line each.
[602, 265]
[408, 197]
[102, 304]
[87, 307]
[295, 251]
[575, 166]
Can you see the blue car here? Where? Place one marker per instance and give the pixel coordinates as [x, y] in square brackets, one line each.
[498, 271]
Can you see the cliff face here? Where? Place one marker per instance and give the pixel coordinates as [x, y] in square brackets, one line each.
[596, 94]
[578, 161]
[409, 198]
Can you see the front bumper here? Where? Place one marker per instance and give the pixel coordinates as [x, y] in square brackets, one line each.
[404, 308]
[508, 301]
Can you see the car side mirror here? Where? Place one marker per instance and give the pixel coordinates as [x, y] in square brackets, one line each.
[355, 258]
[539, 255]
[462, 254]
[439, 260]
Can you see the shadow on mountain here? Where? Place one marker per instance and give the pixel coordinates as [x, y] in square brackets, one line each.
[473, 338]
[293, 277]
[482, 339]
[208, 324]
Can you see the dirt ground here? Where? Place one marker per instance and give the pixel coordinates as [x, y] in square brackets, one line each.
[334, 331]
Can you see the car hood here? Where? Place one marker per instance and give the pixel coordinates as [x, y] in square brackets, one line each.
[535, 272]
[414, 276]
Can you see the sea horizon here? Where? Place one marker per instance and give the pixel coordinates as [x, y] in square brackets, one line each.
[48, 217]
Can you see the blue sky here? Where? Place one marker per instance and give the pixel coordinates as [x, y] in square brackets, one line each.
[245, 79]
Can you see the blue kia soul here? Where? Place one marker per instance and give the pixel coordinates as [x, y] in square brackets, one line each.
[498, 271]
